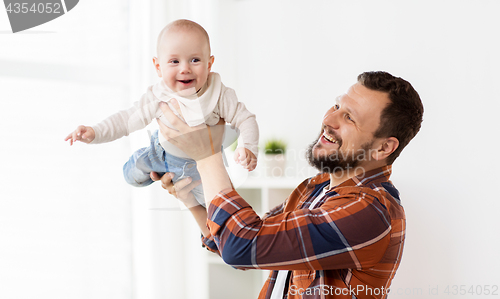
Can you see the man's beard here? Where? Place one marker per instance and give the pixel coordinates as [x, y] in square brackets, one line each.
[339, 160]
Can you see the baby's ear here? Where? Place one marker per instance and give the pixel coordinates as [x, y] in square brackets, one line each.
[210, 62]
[156, 63]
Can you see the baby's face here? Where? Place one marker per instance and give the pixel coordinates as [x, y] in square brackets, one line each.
[184, 60]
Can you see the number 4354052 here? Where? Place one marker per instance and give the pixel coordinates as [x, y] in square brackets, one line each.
[471, 290]
[34, 8]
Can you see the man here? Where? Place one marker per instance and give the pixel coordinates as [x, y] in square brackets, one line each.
[339, 234]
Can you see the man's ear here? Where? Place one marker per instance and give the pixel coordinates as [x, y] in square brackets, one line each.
[210, 62]
[156, 63]
[386, 147]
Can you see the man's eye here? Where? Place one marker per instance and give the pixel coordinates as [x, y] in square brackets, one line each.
[336, 106]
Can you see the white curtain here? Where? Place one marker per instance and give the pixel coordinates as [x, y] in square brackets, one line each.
[168, 261]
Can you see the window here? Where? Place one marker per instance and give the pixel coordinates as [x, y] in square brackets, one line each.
[65, 211]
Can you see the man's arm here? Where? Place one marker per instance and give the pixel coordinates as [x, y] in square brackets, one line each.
[182, 191]
[349, 231]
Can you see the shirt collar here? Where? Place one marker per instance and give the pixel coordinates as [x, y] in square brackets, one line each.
[377, 174]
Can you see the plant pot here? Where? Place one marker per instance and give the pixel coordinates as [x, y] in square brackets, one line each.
[275, 165]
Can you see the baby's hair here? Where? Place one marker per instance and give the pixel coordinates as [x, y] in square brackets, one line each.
[182, 24]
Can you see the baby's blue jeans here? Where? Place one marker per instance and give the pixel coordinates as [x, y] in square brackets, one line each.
[154, 158]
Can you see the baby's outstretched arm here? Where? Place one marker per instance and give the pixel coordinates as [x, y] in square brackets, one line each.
[82, 133]
[246, 158]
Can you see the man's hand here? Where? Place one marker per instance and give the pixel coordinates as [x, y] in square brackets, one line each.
[246, 158]
[202, 144]
[197, 142]
[82, 133]
[181, 189]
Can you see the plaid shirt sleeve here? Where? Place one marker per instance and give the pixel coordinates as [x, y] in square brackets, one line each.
[209, 243]
[351, 229]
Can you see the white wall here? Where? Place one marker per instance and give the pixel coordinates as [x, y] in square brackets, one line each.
[294, 57]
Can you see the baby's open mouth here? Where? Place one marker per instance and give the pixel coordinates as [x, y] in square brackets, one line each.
[186, 81]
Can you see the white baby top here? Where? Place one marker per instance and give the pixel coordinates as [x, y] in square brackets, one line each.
[212, 102]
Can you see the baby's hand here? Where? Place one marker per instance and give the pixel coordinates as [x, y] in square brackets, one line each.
[245, 158]
[82, 133]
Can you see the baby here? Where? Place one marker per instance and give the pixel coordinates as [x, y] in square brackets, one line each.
[184, 62]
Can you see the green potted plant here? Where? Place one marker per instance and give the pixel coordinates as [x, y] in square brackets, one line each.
[274, 150]
[275, 147]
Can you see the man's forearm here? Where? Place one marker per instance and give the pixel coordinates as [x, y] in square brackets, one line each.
[213, 176]
[200, 215]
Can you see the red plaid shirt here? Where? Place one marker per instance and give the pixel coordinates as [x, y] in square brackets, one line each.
[349, 246]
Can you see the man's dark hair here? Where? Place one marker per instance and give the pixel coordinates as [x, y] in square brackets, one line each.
[402, 117]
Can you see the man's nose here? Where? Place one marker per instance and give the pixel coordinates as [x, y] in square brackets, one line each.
[331, 119]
